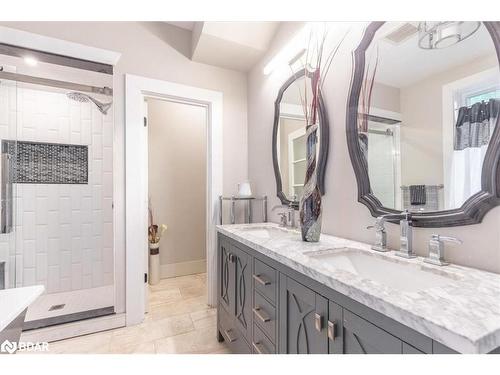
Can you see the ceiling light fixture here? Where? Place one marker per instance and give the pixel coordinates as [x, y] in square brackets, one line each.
[293, 50]
[436, 35]
[30, 60]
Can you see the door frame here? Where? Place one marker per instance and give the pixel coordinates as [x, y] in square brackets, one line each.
[136, 181]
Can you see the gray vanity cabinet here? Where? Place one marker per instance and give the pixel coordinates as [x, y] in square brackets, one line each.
[234, 295]
[303, 315]
[243, 290]
[266, 307]
[226, 277]
[335, 328]
[363, 337]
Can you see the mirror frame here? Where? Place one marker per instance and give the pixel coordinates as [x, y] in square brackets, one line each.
[323, 141]
[475, 207]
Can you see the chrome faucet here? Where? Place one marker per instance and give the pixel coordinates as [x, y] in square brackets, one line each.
[406, 236]
[287, 217]
[380, 233]
[406, 248]
[436, 249]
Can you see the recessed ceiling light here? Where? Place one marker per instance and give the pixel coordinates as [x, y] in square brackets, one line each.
[30, 60]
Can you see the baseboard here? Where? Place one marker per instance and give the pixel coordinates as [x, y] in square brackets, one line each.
[68, 330]
[183, 268]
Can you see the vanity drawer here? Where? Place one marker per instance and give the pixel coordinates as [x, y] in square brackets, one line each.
[261, 344]
[265, 280]
[264, 315]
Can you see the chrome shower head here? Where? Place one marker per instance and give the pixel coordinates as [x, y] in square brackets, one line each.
[84, 98]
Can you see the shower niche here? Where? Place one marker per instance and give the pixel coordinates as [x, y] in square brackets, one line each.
[56, 137]
[47, 163]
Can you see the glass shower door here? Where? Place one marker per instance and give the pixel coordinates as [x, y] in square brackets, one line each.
[56, 189]
[382, 171]
[8, 136]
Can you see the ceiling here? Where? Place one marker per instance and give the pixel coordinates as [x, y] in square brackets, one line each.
[403, 64]
[231, 45]
[186, 25]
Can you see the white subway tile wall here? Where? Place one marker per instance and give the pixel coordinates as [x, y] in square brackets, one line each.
[63, 233]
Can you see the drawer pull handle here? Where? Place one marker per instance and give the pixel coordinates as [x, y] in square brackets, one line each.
[258, 314]
[228, 335]
[261, 281]
[331, 331]
[231, 257]
[318, 322]
[259, 348]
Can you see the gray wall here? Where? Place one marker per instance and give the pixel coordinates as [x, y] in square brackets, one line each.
[342, 215]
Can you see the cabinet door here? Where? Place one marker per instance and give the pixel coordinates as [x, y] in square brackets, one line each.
[243, 298]
[438, 348]
[226, 276]
[303, 317]
[363, 337]
[335, 328]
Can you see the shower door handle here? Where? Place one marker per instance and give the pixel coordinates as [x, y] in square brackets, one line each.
[5, 194]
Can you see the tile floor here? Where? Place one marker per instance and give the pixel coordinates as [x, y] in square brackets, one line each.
[179, 321]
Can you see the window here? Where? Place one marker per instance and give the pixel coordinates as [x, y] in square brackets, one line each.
[483, 96]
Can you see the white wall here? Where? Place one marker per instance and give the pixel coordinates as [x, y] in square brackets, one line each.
[63, 235]
[342, 214]
[177, 183]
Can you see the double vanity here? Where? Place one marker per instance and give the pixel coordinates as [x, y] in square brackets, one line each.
[424, 142]
[278, 294]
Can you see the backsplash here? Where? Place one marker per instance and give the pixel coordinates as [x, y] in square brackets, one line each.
[47, 163]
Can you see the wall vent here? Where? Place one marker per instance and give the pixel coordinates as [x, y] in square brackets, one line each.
[401, 34]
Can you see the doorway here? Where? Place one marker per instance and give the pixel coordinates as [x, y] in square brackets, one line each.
[177, 184]
[136, 181]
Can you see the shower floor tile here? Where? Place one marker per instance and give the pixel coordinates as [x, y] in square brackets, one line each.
[58, 304]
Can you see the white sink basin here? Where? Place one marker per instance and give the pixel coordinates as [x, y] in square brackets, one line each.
[398, 274]
[268, 232]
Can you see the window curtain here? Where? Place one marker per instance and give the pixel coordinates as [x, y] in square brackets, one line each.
[473, 131]
[475, 124]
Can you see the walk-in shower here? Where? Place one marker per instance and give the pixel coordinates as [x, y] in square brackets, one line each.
[56, 136]
[383, 159]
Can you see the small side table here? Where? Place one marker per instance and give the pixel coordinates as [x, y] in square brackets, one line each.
[248, 207]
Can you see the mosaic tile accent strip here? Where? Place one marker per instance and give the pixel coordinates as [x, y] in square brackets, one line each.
[48, 163]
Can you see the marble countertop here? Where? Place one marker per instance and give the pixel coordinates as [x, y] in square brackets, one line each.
[463, 314]
[13, 302]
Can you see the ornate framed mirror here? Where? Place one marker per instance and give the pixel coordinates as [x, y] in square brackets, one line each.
[422, 120]
[289, 139]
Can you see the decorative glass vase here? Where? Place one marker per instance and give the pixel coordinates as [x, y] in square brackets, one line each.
[310, 202]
